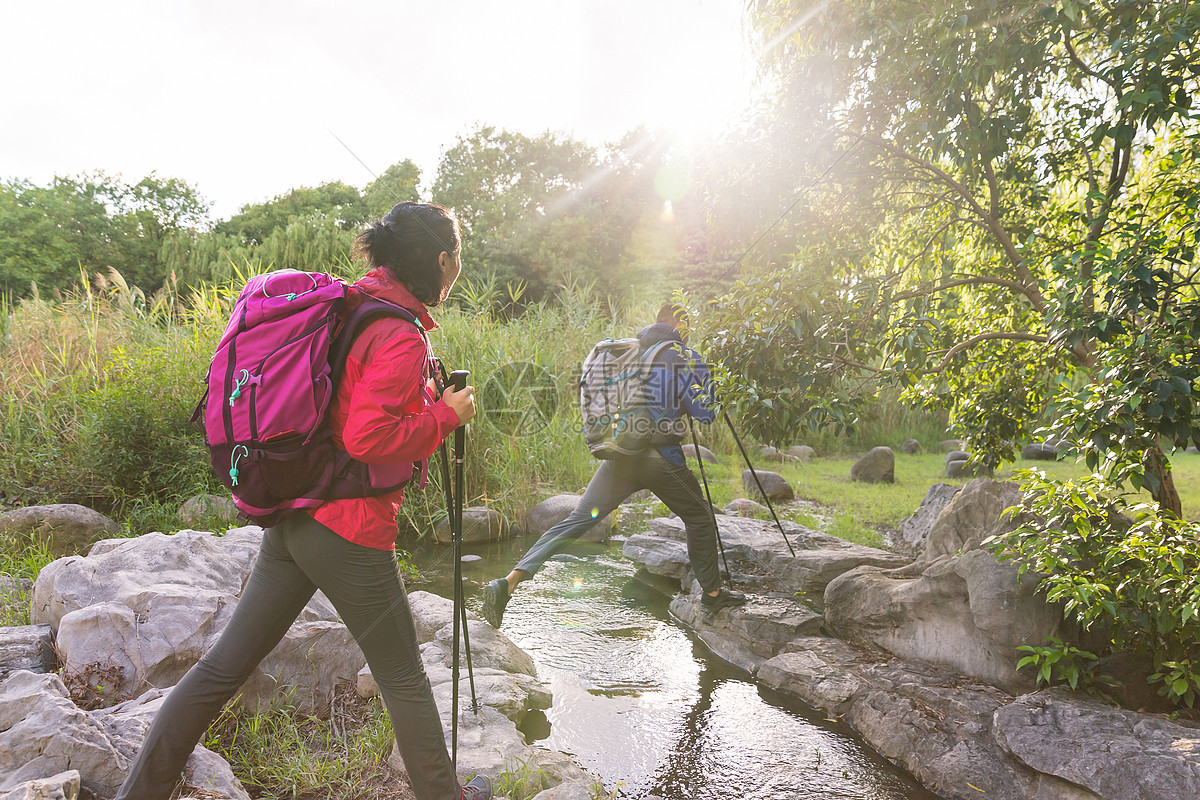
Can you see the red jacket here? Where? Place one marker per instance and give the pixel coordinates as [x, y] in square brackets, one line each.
[381, 414]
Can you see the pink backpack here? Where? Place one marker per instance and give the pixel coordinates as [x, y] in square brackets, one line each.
[269, 387]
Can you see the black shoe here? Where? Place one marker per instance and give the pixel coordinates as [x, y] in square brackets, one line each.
[478, 788]
[495, 598]
[724, 599]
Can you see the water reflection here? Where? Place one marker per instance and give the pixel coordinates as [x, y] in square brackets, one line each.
[641, 702]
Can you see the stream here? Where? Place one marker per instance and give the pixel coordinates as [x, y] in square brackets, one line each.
[642, 703]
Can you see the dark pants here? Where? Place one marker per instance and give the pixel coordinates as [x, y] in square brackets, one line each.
[613, 483]
[297, 557]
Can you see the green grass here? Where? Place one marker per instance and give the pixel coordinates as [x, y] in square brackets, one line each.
[21, 558]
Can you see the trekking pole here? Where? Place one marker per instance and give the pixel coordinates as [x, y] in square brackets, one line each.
[454, 510]
[757, 482]
[708, 496]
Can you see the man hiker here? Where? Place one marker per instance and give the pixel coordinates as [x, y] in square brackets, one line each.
[680, 384]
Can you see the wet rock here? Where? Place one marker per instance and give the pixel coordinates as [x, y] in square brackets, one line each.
[658, 554]
[480, 524]
[147, 608]
[689, 451]
[914, 531]
[66, 529]
[574, 790]
[554, 510]
[747, 635]
[774, 484]
[42, 732]
[204, 507]
[801, 452]
[932, 722]
[877, 466]
[757, 547]
[912, 447]
[1112, 752]
[26, 647]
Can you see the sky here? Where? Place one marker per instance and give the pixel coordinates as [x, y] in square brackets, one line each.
[243, 100]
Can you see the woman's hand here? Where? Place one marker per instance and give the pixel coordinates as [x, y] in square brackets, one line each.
[463, 402]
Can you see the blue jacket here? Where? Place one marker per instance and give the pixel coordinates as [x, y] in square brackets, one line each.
[679, 383]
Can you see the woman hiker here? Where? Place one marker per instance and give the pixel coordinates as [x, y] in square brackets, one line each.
[384, 412]
[682, 387]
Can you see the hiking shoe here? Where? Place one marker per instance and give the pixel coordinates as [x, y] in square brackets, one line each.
[495, 598]
[724, 599]
[478, 788]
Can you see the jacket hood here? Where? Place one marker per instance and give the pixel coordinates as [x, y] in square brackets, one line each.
[656, 333]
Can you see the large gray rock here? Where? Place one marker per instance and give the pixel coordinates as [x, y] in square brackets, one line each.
[480, 524]
[956, 455]
[63, 786]
[554, 510]
[967, 612]
[1039, 452]
[912, 447]
[757, 547]
[877, 466]
[26, 647]
[774, 484]
[914, 531]
[689, 451]
[946, 445]
[43, 733]
[932, 722]
[963, 468]
[744, 507]
[971, 516]
[146, 609]
[65, 529]
[1114, 753]
[747, 635]
[801, 452]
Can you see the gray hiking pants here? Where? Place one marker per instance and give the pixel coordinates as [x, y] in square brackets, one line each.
[613, 483]
[297, 557]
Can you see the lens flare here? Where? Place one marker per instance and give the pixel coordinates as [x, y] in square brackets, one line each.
[578, 583]
[595, 513]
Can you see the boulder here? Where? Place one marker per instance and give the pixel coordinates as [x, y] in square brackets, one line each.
[480, 524]
[967, 469]
[65, 529]
[660, 555]
[43, 733]
[1039, 452]
[689, 451]
[946, 445]
[968, 612]
[914, 531]
[877, 466]
[743, 507]
[63, 786]
[801, 452]
[140, 612]
[554, 510]
[26, 647]
[930, 721]
[1112, 752]
[774, 484]
[770, 453]
[972, 515]
[912, 447]
[205, 507]
[956, 455]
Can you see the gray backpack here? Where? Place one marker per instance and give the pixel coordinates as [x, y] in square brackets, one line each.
[616, 400]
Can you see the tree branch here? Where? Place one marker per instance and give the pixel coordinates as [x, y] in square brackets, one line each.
[981, 337]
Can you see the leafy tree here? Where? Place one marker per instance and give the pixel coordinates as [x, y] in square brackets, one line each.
[1027, 171]
[255, 222]
[397, 184]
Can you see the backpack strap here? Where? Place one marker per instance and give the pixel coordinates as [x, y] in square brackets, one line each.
[369, 310]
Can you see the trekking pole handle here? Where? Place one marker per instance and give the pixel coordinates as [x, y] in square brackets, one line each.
[459, 379]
